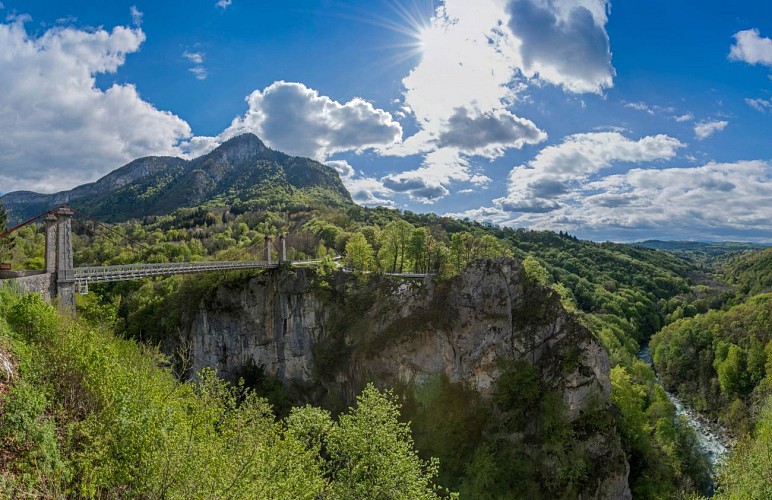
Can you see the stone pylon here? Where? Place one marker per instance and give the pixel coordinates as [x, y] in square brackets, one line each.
[65, 274]
[282, 248]
[50, 222]
[267, 256]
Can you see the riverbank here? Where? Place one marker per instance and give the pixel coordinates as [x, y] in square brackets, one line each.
[713, 440]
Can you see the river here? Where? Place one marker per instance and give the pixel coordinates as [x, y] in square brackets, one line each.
[711, 444]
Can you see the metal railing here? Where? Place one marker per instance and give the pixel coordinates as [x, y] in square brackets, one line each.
[105, 274]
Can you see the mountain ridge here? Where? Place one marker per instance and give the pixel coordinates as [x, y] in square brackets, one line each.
[241, 170]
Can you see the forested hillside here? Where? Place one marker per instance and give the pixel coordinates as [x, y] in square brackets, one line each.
[721, 363]
[714, 321]
[621, 292]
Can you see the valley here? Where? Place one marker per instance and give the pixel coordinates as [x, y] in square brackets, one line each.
[517, 363]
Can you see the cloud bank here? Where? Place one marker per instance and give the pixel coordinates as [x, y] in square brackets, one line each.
[477, 58]
[57, 128]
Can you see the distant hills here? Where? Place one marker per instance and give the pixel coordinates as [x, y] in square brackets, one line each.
[700, 251]
[242, 172]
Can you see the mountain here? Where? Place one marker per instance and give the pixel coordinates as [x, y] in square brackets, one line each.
[242, 172]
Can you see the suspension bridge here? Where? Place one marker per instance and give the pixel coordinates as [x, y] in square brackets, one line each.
[62, 280]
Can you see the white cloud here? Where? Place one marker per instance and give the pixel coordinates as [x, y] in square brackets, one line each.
[557, 171]
[57, 128]
[686, 117]
[489, 134]
[197, 58]
[565, 43]
[223, 4]
[759, 104]
[429, 182]
[715, 201]
[364, 190]
[297, 120]
[136, 16]
[477, 58]
[640, 106]
[344, 168]
[705, 129]
[751, 48]
[194, 57]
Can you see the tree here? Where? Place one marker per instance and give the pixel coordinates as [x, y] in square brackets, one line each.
[359, 253]
[394, 243]
[419, 250]
[372, 453]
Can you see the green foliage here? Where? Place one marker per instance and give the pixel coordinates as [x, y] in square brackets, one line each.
[371, 453]
[748, 472]
[359, 253]
[752, 273]
[95, 416]
[715, 358]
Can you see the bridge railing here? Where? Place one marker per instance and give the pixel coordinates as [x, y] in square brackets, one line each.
[104, 274]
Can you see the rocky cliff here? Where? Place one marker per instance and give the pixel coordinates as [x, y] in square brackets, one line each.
[324, 338]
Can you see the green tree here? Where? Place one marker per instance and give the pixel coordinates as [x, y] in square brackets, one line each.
[372, 455]
[359, 253]
[732, 373]
[395, 239]
[419, 250]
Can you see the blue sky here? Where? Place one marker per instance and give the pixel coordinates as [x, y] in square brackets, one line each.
[609, 120]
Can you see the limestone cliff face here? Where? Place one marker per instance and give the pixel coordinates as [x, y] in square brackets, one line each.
[404, 333]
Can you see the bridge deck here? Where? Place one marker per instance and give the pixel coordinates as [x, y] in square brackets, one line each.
[105, 274]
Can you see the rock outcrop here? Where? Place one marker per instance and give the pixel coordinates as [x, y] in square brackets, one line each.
[332, 337]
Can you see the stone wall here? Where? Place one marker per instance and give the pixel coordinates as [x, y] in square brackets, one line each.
[40, 282]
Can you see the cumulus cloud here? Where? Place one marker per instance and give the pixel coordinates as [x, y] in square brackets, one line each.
[57, 128]
[558, 171]
[759, 104]
[223, 4]
[298, 120]
[490, 133]
[686, 117]
[705, 129]
[752, 48]
[564, 43]
[477, 59]
[364, 190]
[713, 201]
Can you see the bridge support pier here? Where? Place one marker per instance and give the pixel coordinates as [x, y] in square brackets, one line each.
[267, 256]
[50, 222]
[282, 249]
[65, 273]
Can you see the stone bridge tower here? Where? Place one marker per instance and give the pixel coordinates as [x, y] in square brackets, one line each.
[65, 273]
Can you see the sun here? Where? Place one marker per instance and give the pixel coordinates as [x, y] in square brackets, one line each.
[415, 24]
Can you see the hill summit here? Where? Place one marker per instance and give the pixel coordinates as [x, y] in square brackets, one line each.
[242, 171]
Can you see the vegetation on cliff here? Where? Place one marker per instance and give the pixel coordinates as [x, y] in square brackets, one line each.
[86, 414]
[623, 294]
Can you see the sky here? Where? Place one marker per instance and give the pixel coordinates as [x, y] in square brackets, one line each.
[616, 121]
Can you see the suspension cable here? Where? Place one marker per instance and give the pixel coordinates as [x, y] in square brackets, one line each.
[112, 230]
